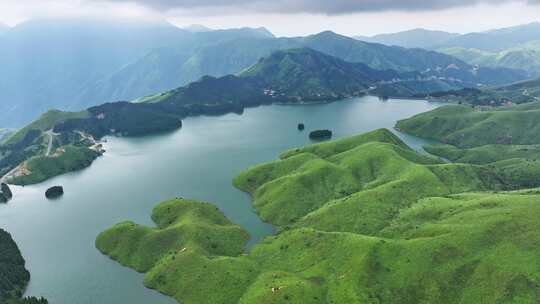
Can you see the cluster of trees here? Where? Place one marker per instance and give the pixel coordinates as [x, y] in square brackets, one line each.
[13, 275]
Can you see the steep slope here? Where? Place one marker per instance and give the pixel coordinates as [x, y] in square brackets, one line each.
[57, 63]
[415, 38]
[286, 76]
[46, 63]
[408, 240]
[168, 68]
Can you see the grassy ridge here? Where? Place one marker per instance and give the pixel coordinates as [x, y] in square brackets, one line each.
[465, 127]
[485, 154]
[363, 220]
[373, 174]
[505, 139]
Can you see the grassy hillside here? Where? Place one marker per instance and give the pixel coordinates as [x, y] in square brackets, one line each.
[362, 220]
[466, 127]
[485, 154]
[41, 168]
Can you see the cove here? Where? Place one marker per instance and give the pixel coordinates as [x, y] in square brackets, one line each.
[198, 162]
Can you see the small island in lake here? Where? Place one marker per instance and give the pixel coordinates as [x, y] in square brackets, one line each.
[320, 135]
[6, 190]
[5, 193]
[301, 127]
[54, 192]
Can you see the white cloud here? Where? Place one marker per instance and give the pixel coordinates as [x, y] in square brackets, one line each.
[460, 19]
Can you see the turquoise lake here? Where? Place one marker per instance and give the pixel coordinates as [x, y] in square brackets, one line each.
[198, 161]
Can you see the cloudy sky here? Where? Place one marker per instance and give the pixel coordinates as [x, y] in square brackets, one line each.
[295, 17]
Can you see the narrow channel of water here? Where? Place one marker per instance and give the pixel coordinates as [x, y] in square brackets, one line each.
[198, 161]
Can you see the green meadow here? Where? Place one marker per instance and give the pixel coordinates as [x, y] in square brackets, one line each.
[363, 219]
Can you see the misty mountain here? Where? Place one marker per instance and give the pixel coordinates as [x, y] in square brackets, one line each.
[48, 63]
[491, 41]
[292, 75]
[524, 57]
[168, 68]
[74, 64]
[416, 38]
[197, 28]
[496, 40]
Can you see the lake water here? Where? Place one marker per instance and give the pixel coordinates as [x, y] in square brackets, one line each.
[198, 162]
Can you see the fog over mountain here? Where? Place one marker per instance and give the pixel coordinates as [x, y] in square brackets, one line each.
[85, 62]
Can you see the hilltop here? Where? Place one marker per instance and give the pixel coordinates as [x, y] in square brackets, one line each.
[361, 219]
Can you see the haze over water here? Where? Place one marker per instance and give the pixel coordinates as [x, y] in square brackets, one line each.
[197, 162]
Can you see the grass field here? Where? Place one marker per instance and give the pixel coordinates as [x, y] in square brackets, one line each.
[361, 220]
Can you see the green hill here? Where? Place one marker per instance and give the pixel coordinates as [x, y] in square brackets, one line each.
[361, 220]
[503, 139]
[465, 127]
[41, 168]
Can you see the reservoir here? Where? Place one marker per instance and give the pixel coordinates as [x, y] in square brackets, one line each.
[198, 161]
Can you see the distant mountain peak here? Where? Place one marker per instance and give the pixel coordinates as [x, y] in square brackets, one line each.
[413, 38]
[262, 31]
[197, 28]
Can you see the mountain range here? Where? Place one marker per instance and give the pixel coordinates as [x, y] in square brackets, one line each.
[50, 63]
[415, 38]
[74, 64]
[299, 75]
[491, 41]
[515, 47]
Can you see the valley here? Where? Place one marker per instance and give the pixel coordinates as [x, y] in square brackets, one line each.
[296, 76]
[138, 172]
[323, 161]
[124, 60]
